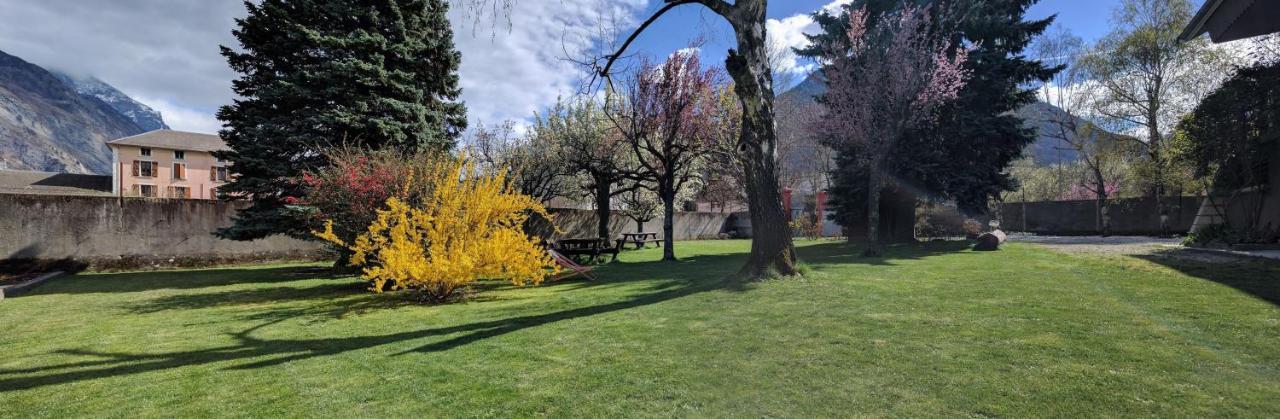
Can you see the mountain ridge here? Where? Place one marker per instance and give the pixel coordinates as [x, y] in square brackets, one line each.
[1045, 150]
[46, 125]
[142, 115]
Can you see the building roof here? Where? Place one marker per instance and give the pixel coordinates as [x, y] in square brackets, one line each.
[174, 140]
[46, 183]
[1229, 20]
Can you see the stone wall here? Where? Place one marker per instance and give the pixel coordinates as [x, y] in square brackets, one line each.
[110, 232]
[1129, 216]
[575, 223]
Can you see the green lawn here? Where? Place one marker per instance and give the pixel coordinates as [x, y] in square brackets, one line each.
[930, 330]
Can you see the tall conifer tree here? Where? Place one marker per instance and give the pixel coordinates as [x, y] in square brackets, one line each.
[963, 156]
[315, 73]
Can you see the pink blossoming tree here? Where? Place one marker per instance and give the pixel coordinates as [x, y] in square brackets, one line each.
[668, 120]
[883, 81]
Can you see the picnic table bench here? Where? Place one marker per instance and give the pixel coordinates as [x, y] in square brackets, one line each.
[640, 239]
[595, 247]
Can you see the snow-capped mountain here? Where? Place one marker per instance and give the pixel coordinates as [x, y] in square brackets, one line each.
[146, 118]
[46, 125]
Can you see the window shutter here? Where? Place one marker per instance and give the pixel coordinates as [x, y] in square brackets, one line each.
[135, 168]
[213, 174]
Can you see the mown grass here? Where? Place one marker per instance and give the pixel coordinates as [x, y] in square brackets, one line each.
[929, 330]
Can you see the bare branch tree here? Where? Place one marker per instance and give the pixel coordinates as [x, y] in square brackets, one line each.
[591, 150]
[668, 120]
[531, 162]
[1149, 79]
[748, 64]
[1072, 90]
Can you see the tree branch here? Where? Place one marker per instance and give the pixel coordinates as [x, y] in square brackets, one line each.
[718, 6]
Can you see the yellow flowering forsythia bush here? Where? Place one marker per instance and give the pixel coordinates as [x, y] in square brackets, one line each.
[469, 228]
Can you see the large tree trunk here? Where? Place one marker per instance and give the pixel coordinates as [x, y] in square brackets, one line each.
[748, 65]
[771, 248]
[873, 211]
[602, 207]
[668, 226]
[1100, 189]
[1155, 145]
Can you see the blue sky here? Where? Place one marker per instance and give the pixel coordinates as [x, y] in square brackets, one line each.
[164, 53]
[1089, 19]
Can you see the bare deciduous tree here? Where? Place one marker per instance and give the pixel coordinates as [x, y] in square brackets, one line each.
[591, 150]
[748, 64]
[1149, 79]
[532, 164]
[1072, 90]
[668, 119]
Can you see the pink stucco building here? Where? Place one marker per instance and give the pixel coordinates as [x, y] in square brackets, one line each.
[167, 164]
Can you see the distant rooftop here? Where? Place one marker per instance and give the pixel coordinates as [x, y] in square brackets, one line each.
[45, 183]
[174, 140]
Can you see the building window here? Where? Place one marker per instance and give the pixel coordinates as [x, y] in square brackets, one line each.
[146, 152]
[180, 192]
[179, 171]
[147, 191]
[219, 174]
[143, 168]
[179, 155]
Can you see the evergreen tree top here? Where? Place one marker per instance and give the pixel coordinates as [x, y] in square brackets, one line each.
[317, 73]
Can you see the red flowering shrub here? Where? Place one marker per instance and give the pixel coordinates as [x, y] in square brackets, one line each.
[356, 184]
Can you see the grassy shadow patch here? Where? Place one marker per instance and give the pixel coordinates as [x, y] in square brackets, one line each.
[125, 282]
[1260, 278]
[669, 280]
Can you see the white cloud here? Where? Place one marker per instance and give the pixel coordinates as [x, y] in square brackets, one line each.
[789, 32]
[165, 52]
[150, 48]
[182, 118]
[510, 75]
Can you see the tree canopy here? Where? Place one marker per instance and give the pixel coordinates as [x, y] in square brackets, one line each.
[963, 156]
[315, 73]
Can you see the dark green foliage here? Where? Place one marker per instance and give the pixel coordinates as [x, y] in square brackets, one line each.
[315, 73]
[1231, 134]
[1220, 234]
[964, 156]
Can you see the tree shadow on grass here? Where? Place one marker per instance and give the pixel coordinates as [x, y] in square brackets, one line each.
[185, 279]
[845, 253]
[1260, 278]
[254, 296]
[691, 276]
[669, 281]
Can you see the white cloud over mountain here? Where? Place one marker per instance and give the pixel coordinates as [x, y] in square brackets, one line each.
[789, 32]
[164, 53]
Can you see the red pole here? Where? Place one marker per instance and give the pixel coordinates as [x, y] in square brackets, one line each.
[821, 206]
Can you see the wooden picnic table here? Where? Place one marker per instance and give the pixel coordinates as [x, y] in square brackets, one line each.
[640, 239]
[591, 247]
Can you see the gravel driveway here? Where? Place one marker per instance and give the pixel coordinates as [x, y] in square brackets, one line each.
[1122, 245]
[1138, 245]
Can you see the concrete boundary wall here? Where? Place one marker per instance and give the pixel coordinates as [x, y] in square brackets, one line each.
[109, 232]
[129, 232]
[575, 223]
[1129, 216]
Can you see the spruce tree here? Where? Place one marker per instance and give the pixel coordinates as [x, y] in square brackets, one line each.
[963, 156]
[317, 73]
